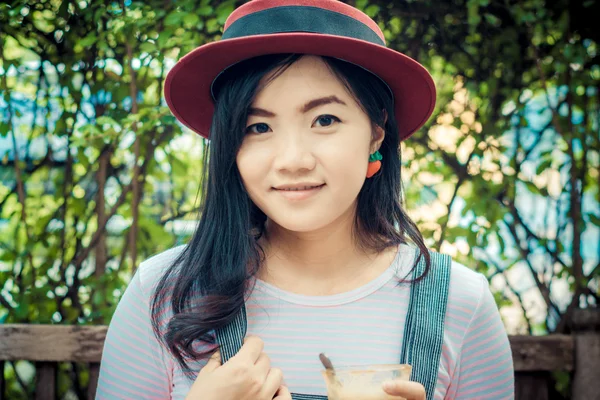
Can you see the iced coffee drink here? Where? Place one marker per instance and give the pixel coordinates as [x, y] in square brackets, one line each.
[365, 382]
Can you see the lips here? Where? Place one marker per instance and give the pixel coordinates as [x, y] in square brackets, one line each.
[299, 192]
[298, 187]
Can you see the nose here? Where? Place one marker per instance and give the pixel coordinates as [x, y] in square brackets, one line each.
[295, 154]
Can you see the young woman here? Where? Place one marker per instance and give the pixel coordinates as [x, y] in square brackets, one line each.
[303, 246]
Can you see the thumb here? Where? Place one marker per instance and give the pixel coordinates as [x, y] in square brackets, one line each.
[283, 394]
[213, 363]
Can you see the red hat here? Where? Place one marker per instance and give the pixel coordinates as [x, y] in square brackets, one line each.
[319, 27]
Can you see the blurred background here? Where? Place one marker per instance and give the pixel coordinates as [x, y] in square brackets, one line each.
[96, 174]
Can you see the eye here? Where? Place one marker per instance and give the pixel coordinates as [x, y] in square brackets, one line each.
[326, 120]
[257, 129]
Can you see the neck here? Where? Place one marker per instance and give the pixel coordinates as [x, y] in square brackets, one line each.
[319, 251]
[324, 261]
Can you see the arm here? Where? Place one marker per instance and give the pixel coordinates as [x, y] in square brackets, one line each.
[134, 364]
[485, 369]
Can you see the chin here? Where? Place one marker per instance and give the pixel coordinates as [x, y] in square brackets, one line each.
[300, 224]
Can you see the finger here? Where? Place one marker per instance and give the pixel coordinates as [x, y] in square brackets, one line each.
[263, 365]
[251, 350]
[407, 389]
[272, 383]
[283, 394]
[213, 363]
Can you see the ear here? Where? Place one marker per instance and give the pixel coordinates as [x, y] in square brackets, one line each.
[377, 138]
[378, 134]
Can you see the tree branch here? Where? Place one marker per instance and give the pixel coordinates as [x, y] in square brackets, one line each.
[135, 180]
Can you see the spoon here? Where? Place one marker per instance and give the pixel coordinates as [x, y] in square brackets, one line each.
[329, 367]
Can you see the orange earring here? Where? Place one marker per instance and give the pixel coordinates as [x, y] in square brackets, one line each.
[374, 163]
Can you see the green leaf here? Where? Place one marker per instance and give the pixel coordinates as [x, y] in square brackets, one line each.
[191, 19]
[532, 188]
[88, 40]
[147, 47]
[224, 10]
[372, 10]
[544, 165]
[205, 11]
[174, 18]
[4, 129]
[594, 219]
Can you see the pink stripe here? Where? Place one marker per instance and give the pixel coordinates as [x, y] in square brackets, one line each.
[447, 359]
[390, 334]
[488, 359]
[301, 338]
[490, 316]
[486, 378]
[131, 372]
[256, 325]
[458, 329]
[478, 371]
[371, 303]
[487, 340]
[510, 390]
[295, 307]
[144, 388]
[491, 327]
[115, 395]
[485, 389]
[470, 303]
[469, 357]
[331, 315]
[467, 310]
[132, 355]
[133, 342]
[456, 337]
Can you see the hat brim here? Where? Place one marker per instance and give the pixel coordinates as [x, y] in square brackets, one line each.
[188, 83]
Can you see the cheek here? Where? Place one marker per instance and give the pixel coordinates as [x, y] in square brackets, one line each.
[253, 164]
[345, 160]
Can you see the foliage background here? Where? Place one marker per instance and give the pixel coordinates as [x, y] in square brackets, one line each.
[96, 175]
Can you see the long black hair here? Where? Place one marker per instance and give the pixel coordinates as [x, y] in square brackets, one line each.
[206, 285]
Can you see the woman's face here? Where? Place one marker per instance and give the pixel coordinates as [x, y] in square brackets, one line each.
[304, 158]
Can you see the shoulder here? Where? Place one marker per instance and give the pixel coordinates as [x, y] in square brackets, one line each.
[467, 287]
[153, 268]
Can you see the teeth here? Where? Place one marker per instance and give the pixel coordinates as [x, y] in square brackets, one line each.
[302, 188]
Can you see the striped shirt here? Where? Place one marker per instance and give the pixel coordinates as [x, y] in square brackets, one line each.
[361, 327]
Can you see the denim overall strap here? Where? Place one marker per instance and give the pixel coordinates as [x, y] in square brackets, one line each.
[230, 338]
[424, 328]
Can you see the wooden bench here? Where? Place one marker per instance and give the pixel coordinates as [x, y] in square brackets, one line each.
[535, 357]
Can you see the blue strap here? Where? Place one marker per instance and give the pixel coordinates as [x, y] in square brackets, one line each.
[423, 331]
[230, 338]
[424, 328]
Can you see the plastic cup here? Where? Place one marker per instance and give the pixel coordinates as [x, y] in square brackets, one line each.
[364, 382]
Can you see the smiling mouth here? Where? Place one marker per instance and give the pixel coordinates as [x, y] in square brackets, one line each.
[300, 188]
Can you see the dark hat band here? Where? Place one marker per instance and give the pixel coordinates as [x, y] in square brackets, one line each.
[308, 19]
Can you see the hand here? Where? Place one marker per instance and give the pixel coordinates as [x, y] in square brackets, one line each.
[246, 376]
[405, 389]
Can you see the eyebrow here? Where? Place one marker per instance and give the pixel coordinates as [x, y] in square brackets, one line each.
[260, 112]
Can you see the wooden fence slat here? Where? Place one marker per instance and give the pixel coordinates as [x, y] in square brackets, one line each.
[586, 379]
[45, 381]
[93, 383]
[542, 353]
[59, 343]
[2, 381]
[532, 386]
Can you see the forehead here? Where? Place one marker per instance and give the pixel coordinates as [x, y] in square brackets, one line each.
[308, 76]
